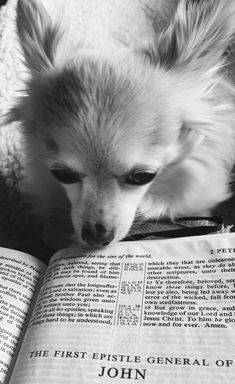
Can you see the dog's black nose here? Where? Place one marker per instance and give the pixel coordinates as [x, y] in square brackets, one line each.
[96, 235]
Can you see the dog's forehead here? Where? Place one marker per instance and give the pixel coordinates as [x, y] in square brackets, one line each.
[90, 96]
[100, 118]
[109, 157]
[85, 92]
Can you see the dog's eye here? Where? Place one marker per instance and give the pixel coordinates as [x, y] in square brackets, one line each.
[140, 178]
[65, 175]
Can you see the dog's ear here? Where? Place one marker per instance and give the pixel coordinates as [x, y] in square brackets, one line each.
[38, 36]
[198, 35]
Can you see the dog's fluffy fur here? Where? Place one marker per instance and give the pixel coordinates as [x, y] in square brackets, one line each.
[105, 119]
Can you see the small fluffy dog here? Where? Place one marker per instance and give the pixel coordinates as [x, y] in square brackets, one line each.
[145, 133]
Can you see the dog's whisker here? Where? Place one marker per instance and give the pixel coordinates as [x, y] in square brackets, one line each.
[39, 155]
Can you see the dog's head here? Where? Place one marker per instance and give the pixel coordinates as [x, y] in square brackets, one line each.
[113, 124]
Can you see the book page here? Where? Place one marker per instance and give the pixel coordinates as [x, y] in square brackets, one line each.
[19, 276]
[149, 311]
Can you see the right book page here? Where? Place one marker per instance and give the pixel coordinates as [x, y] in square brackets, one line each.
[153, 311]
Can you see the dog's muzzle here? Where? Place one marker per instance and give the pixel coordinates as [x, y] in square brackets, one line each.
[97, 234]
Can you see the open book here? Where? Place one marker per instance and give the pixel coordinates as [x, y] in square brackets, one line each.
[155, 311]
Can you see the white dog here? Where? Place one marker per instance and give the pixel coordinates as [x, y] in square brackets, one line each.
[146, 134]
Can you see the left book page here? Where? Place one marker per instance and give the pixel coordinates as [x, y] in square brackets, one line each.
[20, 274]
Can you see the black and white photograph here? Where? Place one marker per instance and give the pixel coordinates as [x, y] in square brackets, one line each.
[117, 191]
